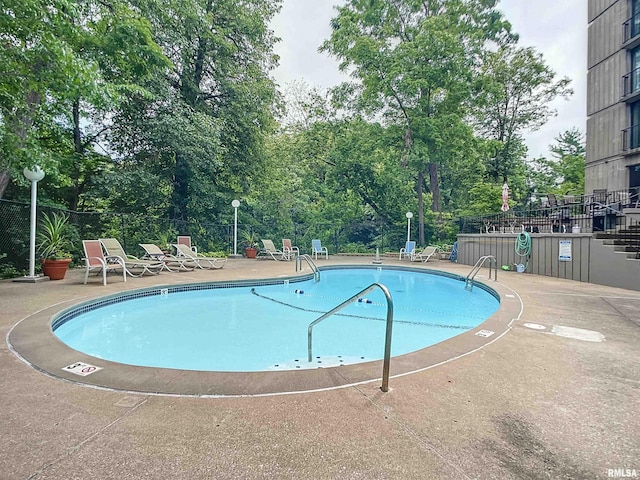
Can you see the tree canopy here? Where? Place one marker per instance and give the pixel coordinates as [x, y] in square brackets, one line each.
[169, 108]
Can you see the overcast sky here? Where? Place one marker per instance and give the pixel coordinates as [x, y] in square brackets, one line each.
[557, 29]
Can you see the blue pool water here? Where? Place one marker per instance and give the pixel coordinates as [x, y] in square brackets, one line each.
[264, 327]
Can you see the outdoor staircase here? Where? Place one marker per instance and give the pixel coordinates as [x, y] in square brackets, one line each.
[625, 241]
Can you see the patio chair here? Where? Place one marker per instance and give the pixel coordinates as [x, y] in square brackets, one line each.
[95, 260]
[270, 251]
[317, 248]
[408, 250]
[200, 261]
[153, 252]
[289, 250]
[186, 240]
[425, 254]
[131, 264]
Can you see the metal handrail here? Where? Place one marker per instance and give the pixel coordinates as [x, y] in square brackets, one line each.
[468, 283]
[387, 342]
[313, 266]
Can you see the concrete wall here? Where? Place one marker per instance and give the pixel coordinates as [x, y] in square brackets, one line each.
[597, 7]
[613, 268]
[591, 261]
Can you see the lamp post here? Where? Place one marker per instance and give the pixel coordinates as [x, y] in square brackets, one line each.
[34, 175]
[409, 215]
[235, 204]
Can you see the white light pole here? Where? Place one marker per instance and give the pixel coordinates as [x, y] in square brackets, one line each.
[34, 174]
[409, 215]
[235, 204]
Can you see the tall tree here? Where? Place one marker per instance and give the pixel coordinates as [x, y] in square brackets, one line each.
[36, 61]
[216, 102]
[412, 63]
[515, 96]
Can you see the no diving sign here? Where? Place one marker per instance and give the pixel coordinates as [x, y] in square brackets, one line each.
[82, 369]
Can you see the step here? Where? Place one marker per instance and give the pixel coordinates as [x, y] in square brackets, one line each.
[625, 248]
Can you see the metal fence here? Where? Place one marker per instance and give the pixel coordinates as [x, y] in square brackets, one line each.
[132, 229]
[599, 211]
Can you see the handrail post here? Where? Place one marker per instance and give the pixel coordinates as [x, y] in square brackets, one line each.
[389, 328]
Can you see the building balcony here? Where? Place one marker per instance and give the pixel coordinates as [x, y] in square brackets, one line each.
[631, 32]
[631, 139]
[631, 86]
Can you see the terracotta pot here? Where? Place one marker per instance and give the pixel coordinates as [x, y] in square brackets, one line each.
[251, 252]
[55, 269]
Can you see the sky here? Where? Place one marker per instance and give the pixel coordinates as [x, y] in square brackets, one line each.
[556, 29]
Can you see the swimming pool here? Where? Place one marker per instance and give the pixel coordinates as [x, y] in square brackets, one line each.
[258, 326]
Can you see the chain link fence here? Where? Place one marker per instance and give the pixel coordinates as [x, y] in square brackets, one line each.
[133, 229]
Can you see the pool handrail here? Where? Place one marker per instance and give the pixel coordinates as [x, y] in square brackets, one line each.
[468, 283]
[387, 341]
[313, 266]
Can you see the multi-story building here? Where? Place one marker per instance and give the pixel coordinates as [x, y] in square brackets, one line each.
[613, 96]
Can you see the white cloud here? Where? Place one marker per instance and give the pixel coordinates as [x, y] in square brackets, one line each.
[556, 29]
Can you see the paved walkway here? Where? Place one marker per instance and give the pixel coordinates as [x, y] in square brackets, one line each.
[533, 404]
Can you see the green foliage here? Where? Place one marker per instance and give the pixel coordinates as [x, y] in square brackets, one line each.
[163, 111]
[249, 239]
[53, 240]
[514, 96]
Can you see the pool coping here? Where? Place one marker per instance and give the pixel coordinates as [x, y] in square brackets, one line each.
[33, 341]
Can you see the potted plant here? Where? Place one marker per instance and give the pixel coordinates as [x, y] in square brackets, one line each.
[250, 243]
[54, 245]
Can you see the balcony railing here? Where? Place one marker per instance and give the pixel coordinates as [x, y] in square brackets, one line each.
[631, 138]
[631, 28]
[597, 211]
[631, 83]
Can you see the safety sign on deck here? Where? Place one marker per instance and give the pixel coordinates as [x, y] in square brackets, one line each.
[484, 333]
[82, 369]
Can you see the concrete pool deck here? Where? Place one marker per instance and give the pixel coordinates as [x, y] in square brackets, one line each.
[553, 403]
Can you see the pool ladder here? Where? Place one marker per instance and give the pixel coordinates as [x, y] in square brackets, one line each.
[307, 258]
[387, 342]
[468, 283]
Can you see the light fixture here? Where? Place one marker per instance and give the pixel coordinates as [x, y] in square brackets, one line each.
[409, 216]
[34, 175]
[235, 204]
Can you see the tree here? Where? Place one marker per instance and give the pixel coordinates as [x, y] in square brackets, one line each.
[516, 91]
[36, 61]
[221, 54]
[412, 62]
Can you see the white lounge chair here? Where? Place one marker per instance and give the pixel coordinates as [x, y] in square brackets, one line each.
[289, 250]
[200, 261]
[425, 254]
[131, 264]
[94, 259]
[317, 248]
[186, 240]
[408, 250]
[153, 252]
[270, 251]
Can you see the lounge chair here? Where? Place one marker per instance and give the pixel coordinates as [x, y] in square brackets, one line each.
[94, 259]
[408, 250]
[186, 240]
[153, 252]
[131, 264]
[289, 250]
[317, 248]
[425, 254]
[200, 261]
[270, 251]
